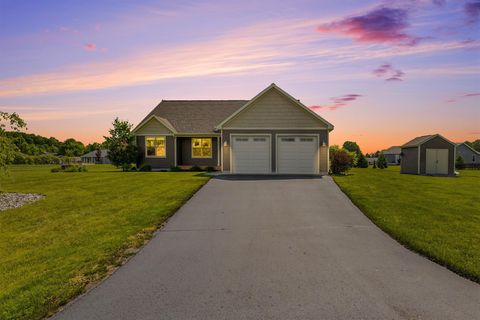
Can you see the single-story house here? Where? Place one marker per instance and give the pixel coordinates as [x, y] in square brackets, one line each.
[270, 133]
[430, 154]
[393, 154]
[96, 157]
[471, 157]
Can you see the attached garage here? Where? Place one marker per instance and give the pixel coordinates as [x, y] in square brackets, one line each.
[297, 154]
[431, 155]
[251, 154]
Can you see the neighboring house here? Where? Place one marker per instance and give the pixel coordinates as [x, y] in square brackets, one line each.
[372, 160]
[471, 157]
[271, 133]
[393, 155]
[431, 154]
[93, 157]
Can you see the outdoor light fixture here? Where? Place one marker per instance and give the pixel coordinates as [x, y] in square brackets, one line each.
[225, 143]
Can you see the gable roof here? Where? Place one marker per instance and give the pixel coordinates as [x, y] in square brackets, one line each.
[193, 116]
[273, 86]
[393, 150]
[469, 147]
[422, 139]
[93, 154]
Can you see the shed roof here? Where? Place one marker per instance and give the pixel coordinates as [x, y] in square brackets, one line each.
[422, 139]
[195, 116]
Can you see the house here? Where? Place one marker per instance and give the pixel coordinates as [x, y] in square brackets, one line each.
[96, 157]
[271, 133]
[431, 154]
[392, 155]
[471, 157]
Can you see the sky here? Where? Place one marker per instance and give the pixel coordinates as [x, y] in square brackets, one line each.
[382, 72]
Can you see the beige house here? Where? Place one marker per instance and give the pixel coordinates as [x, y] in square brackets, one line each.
[273, 133]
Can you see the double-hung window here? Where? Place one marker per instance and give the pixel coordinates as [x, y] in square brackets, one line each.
[156, 147]
[201, 147]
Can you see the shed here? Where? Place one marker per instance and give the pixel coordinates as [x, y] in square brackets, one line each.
[430, 154]
[393, 154]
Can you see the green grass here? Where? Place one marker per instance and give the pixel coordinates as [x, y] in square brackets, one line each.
[51, 250]
[438, 217]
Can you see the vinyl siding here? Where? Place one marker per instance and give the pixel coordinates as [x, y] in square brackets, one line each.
[469, 157]
[184, 149]
[323, 137]
[273, 110]
[437, 143]
[156, 163]
[409, 163]
[153, 126]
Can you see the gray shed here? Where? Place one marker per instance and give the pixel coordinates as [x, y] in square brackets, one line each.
[431, 155]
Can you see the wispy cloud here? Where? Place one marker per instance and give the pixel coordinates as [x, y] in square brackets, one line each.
[90, 47]
[43, 113]
[388, 72]
[463, 96]
[472, 10]
[337, 102]
[381, 25]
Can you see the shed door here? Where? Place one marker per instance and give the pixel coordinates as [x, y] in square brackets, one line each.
[251, 154]
[437, 161]
[297, 154]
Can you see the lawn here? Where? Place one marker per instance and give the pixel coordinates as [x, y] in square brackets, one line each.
[438, 217]
[51, 250]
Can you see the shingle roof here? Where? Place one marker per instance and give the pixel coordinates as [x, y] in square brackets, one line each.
[195, 116]
[393, 150]
[417, 141]
[93, 154]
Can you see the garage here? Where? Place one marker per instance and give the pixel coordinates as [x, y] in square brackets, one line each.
[251, 154]
[297, 154]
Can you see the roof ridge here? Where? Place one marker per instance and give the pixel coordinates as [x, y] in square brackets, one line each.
[203, 100]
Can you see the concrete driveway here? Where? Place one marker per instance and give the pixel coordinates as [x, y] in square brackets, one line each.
[276, 248]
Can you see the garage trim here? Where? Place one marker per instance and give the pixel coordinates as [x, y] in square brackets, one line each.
[233, 135]
[317, 155]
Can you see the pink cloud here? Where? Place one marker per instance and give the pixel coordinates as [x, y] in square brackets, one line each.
[463, 96]
[337, 102]
[388, 72]
[381, 25]
[90, 47]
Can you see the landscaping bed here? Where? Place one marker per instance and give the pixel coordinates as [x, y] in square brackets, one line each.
[11, 200]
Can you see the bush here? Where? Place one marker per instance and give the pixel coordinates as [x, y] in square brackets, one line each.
[175, 169]
[362, 161]
[340, 160]
[133, 168]
[196, 168]
[382, 162]
[55, 170]
[145, 168]
[70, 168]
[374, 164]
[459, 163]
[210, 169]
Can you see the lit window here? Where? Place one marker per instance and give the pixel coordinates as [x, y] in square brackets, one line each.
[155, 146]
[201, 147]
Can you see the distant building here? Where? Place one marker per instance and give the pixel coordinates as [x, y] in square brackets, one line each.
[471, 157]
[393, 154]
[95, 158]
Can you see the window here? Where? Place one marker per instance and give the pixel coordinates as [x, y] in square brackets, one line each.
[259, 139]
[201, 147]
[306, 139]
[241, 139]
[155, 147]
[288, 139]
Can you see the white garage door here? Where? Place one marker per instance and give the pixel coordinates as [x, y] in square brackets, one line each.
[437, 161]
[297, 154]
[251, 154]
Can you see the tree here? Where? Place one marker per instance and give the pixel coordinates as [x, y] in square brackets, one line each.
[93, 147]
[362, 161]
[382, 162]
[474, 144]
[8, 149]
[340, 160]
[459, 163]
[98, 156]
[120, 144]
[352, 146]
[72, 148]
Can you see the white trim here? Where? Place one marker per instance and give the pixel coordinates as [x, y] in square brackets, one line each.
[269, 128]
[194, 135]
[175, 151]
[329, 126]
[221, 152]
[218, 151]
[155, 134]
[163, 121]
[269, 135]
[279, 135]
[419, 155]
[473, 150]
[157, 157]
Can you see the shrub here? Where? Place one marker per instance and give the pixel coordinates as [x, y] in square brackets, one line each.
[175, 169]
[374, 164]
[196, 168]
[362, 161]
[55, 170]
[340, 161]
[459, 163]
[145, 168]
[210, 169]
[70, 168]
[381, 161]
[133, 168]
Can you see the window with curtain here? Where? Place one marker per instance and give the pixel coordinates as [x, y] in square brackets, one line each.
[201, 147]
[156, 146]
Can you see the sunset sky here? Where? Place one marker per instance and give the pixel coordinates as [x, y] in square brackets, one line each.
[382, 72]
